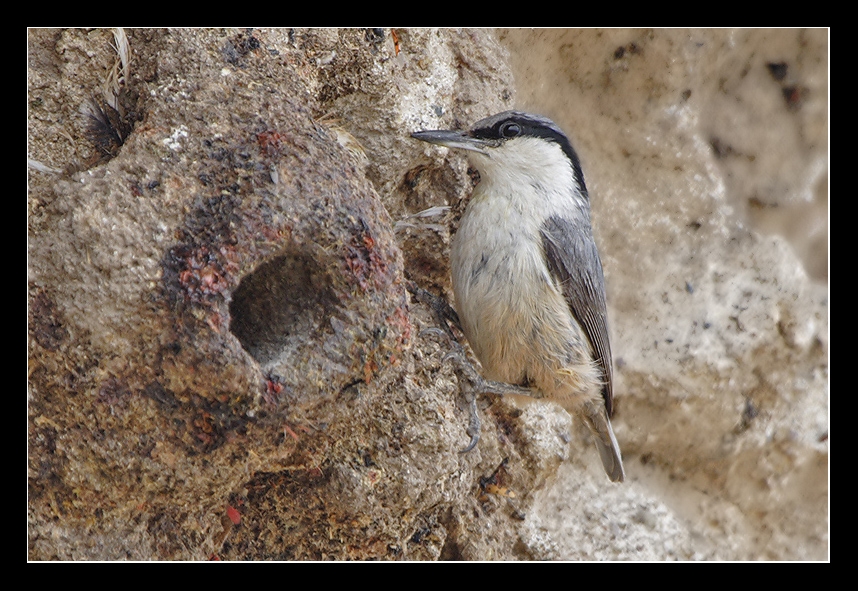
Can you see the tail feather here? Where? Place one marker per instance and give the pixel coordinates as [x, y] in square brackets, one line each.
[609, 450]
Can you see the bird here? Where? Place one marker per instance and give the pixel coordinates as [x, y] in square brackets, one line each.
[527, 279]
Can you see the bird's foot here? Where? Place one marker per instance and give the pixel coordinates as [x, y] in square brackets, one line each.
[471, 384]
[468, 378]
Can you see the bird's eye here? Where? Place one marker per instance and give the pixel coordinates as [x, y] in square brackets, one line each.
[510, 129]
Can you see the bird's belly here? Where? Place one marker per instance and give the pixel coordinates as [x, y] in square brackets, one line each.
[514, 315]
[507, 303]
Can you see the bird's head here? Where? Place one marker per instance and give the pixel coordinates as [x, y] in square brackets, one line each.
[512, 144]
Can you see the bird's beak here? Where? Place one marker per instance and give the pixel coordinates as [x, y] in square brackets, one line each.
[452, 139]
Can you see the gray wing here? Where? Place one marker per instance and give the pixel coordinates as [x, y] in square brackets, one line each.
[573, 261]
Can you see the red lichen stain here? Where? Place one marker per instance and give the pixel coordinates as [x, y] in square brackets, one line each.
[273, 387]
[364, 260]
[204, 274]
[233, 514]
[369, 369]
[270, 142]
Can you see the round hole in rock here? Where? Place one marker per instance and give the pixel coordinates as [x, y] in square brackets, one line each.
[285, 304]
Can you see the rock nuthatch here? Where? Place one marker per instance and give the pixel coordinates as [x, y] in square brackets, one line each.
[527, 278]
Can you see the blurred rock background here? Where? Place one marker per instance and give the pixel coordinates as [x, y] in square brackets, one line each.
[224, 359]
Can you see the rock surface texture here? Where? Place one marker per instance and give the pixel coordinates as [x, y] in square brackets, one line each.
[225, 360]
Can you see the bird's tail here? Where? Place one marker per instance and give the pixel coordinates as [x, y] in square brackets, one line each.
[597, 420]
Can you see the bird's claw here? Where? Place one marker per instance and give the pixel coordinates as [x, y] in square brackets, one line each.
[473, 426]
[432, 331]
[469, 381]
